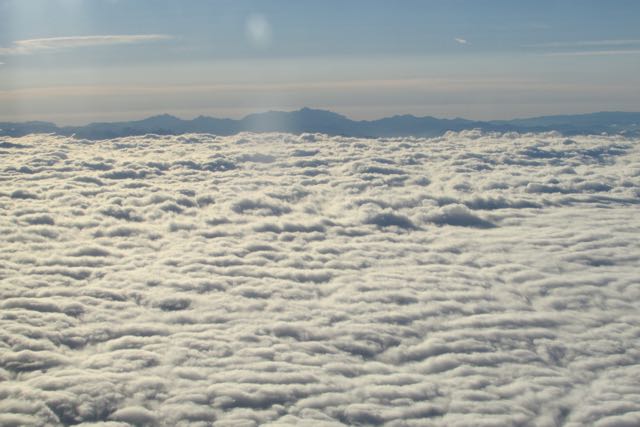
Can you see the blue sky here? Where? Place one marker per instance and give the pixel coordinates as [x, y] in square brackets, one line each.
[75, 61]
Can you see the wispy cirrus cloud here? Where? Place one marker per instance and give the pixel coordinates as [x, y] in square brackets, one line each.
[608, 52]
[31, 46]
[460, 40]
[590, 47]
[588, 43]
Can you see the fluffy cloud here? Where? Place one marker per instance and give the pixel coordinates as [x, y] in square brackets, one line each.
[470, 279]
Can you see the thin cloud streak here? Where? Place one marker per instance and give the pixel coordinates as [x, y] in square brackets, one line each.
[31, 46]
[586, 43]
[596, 52]
[461, 41]
[436, 85]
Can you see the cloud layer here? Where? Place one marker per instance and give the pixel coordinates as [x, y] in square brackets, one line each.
[471, 279]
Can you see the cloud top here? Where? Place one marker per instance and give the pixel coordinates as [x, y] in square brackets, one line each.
[476, 278]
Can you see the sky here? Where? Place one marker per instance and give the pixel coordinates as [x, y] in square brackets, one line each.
[78, 61]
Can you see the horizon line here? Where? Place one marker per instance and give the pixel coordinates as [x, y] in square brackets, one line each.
[282, 111]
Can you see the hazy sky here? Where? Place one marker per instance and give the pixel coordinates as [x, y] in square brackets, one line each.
[75, 61]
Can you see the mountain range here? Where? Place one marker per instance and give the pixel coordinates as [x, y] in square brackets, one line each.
[330, 123]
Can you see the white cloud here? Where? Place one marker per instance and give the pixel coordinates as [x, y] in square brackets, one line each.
[469, 279]
[30, 46]
[461, 41]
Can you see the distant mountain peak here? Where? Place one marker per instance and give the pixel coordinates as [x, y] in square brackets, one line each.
[328, 122]
[323, 112]
[160, 117]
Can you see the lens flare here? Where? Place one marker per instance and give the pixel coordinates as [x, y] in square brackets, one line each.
[258, 31]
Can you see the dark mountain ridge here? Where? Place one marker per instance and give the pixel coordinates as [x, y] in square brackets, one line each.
[327, 122]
